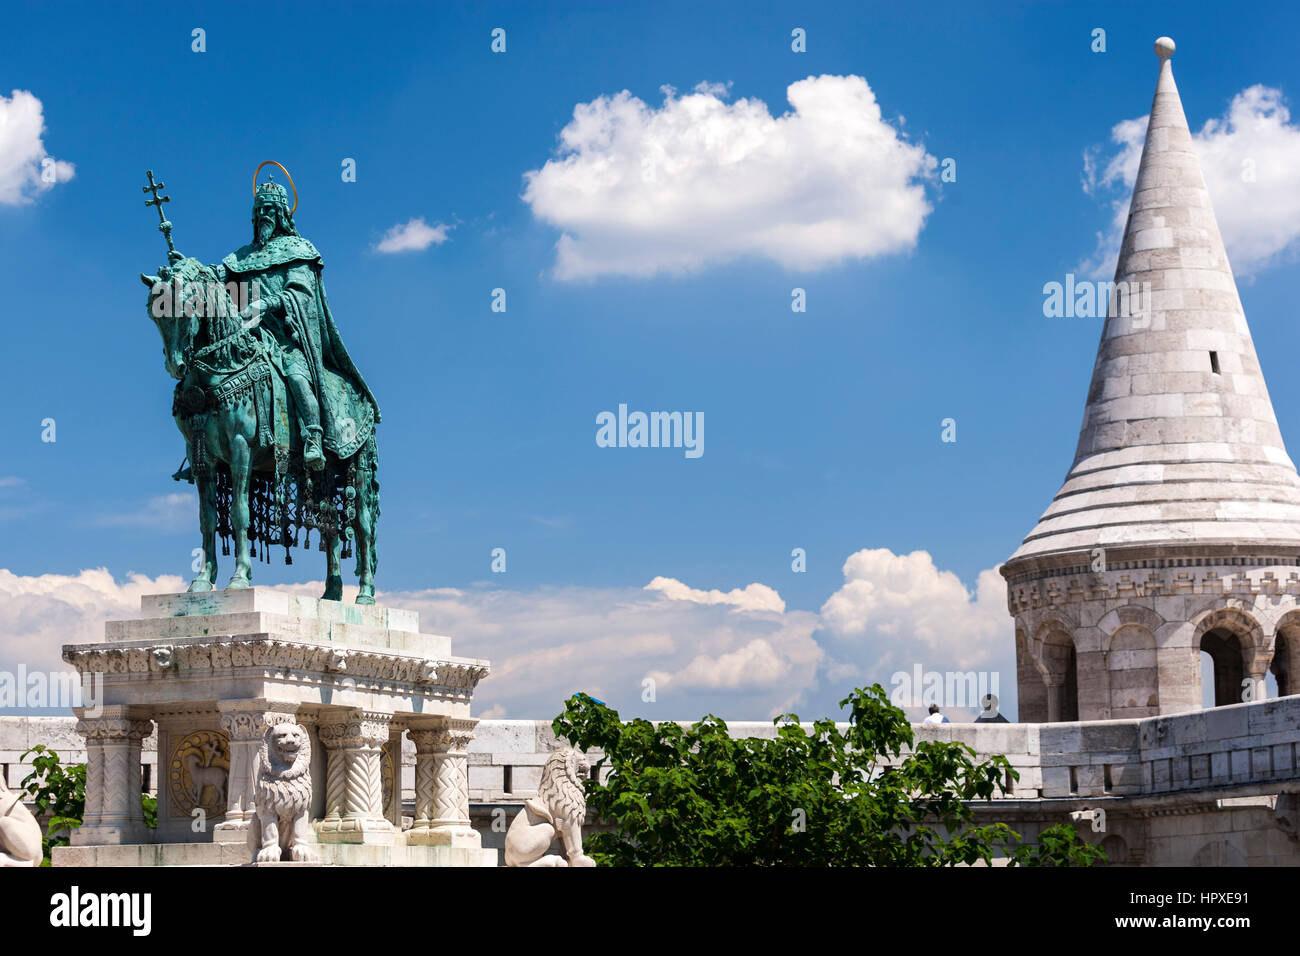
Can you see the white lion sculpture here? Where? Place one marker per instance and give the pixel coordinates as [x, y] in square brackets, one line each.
[558, 810]
[282, 790]
[20, 834]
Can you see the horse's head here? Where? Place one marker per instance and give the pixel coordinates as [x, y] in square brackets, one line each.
[176, 308]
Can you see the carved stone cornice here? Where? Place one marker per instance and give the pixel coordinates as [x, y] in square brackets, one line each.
[1116, 584]
[1182, 811]
[443, 678]
[182, 709]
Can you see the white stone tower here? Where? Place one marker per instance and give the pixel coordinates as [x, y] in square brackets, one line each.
[1177, 529]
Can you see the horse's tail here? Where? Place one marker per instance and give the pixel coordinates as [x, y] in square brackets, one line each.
[372, 456]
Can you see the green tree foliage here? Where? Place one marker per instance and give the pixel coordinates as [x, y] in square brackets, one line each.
[698, 797]
[149, 806]
[59, 797]
[1058, 845]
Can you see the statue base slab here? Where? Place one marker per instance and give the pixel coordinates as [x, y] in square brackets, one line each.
[231, 854]
[444, 836]
[226, 832]
[110, 835]
[368, 831]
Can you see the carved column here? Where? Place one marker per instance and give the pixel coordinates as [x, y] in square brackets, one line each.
[1053, 702]
[442, 783]
[354, 786]
[245, 723]
[113, 812]
[1257, 674]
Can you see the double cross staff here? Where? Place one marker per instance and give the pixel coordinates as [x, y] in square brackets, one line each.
[164, 226]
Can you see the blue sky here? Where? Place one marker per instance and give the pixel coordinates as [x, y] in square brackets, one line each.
[823, 427]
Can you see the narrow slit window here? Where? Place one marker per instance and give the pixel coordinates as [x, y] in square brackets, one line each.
[1214, 362]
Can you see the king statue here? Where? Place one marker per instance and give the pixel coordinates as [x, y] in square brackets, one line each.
[243, 375]
[285, 270]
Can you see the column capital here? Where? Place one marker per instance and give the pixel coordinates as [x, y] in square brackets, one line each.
[244, 720]
[444, 735]
[358, 728]
[113, 726]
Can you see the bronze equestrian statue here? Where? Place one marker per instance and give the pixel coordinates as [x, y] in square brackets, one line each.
[279, 425]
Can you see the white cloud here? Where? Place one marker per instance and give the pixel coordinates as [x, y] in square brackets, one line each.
[784, 662]
[41, 613]
[1251, 160]
[543, 644]
[904, 596]
[698, 181]
[546, 644]
[739, 654]
[413, 236]
[894, 612]
[24, 171]
[754, 597]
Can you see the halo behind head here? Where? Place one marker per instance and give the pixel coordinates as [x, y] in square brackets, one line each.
[272, 162]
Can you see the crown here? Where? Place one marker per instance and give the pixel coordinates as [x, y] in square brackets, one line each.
[272, 193]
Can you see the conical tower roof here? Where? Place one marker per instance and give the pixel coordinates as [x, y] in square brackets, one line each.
[1179, 443]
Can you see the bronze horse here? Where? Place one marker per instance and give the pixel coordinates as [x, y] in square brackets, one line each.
[231, 407]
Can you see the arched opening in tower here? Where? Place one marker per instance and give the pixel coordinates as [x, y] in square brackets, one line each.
[1225, 664]
[1063, 677]
[1031, 688]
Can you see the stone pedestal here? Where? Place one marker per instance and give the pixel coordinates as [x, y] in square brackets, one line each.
[217, 669]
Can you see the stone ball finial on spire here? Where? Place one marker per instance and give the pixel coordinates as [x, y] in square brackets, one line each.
[1164, 48]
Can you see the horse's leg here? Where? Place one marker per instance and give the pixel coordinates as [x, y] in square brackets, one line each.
[240, 468]
[333, 575]
[367, 513]
[206, 579]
